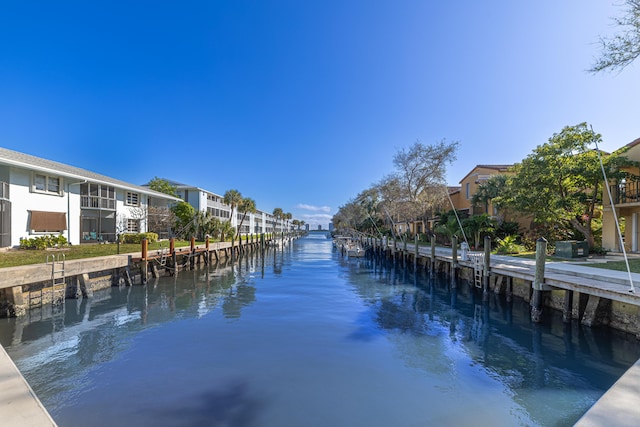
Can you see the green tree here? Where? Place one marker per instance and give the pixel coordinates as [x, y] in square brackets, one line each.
[232, 198]
[560, 183]
[623, 48]
[448, 226]
[163, 186]
[490, 191]
[287, 217]
[478, 226]
[247, 205]
[184, 214]
[278, 214]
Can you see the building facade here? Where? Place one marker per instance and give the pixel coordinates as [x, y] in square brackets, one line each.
[626, 202]
[41, 197]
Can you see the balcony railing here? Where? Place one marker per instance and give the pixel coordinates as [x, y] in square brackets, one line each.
[628, 192]
[97, 202]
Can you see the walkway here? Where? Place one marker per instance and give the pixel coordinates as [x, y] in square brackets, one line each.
[19, 406]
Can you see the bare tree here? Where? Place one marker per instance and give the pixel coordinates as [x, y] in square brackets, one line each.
[624, 47]
[420, 178]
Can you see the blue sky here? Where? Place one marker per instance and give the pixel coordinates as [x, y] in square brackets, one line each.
[301, 104]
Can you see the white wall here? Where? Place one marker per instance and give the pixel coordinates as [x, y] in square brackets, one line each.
[23, 200]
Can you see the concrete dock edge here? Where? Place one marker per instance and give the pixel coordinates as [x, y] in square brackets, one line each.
[619, 406]
[19, 405]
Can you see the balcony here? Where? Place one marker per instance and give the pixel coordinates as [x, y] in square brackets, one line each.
[97, 202]
[625, 192]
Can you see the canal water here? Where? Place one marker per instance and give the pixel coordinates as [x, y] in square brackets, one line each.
[304, 337]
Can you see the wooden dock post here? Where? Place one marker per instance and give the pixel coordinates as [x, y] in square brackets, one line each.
[567, 309]
[192, 247]
[486, 268]
[415, 254]
[454, 257]
[405, 254]
[432, 265]
[395, 249]
[144, 270]
[174, 256]
[536, 301]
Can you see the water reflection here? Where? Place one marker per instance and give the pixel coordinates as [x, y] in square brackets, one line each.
[303, 336]
[550, 365]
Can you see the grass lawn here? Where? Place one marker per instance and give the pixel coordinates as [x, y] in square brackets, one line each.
[15, 257]
[634, 265]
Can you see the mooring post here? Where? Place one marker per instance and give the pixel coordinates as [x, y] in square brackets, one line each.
[233, 244]
[192, 245]
[567, 309]
[174, 256]
[395, 248]
[486, 268]
[433, 253]
[145, 266]
[536, 302]
[415, 254]
[404, 252]
[206, 246]
[454, 257]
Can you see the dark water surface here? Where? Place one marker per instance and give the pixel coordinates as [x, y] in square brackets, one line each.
[304, 337]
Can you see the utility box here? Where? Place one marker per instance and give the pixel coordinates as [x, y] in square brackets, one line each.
[572, 249]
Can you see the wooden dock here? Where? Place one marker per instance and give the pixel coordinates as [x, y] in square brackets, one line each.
[594, 296]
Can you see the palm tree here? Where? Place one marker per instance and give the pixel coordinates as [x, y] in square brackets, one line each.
[246, 205]
[288, 217]
[302, 223]
[233, 199]
[277, 214]
[479, 225]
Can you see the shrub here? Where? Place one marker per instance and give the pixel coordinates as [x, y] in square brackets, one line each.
[508, 245]
[43, 242]
[598, 250]
[137, 237]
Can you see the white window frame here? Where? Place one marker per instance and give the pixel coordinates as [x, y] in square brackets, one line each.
[133, 225]
[132, 199]
[47, 184]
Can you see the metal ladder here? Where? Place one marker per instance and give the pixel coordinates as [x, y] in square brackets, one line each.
[478, 267]
[57, 273]
[164, 251]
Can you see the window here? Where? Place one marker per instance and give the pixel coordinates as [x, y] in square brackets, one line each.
[133, 226]
[467, 190]
[132, 199]
[46, 184]
[97, 196]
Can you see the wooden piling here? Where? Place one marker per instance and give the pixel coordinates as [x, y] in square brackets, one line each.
[433, 253]
[536, 301]
[454, 257]
[144, 266]
[486, 267]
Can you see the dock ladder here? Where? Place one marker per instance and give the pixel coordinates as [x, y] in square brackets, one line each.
[478, 268]
[57, 275]
[163, 252]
